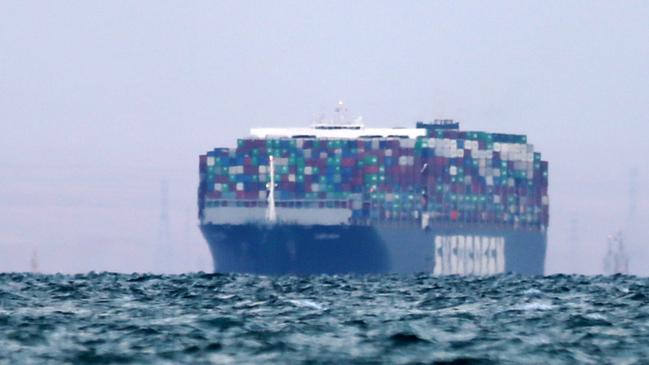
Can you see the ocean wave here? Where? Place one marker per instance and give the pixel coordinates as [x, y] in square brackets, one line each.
[221, 318]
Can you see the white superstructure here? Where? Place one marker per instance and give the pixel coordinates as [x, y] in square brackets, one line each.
[337, 131]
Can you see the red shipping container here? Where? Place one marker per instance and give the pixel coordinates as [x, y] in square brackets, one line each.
[371, 169]
[475, 187]
[347, 162]
[214, 195]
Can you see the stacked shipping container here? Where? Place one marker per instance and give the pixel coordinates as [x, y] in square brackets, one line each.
[472, 177]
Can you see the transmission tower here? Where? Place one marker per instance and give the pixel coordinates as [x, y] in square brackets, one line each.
[633, 192]
[573, 232]
[163, 248]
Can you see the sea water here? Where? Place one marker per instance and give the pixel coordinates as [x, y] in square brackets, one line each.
[213, 318]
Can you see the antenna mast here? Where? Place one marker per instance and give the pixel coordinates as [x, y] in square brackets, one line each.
[271, 215]
[341, 110]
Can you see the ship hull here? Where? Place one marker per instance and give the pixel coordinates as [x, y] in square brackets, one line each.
[380, 248]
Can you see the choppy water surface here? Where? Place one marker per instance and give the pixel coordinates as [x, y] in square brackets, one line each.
[201, 318]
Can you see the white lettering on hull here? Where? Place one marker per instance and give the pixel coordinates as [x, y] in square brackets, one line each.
[469, 255]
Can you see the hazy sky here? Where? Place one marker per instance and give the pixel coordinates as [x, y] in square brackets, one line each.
[101, 100]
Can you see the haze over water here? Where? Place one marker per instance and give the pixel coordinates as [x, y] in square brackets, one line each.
[100, 102]
[106, 106]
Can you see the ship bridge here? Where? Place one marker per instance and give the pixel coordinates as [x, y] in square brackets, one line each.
[337, 131]
[354, 130]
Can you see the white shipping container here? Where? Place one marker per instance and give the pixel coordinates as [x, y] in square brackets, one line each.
[323, 154]
[291, 177]
[281, 161]
[411, 160]
[519, 165]
[263, 169]
[453, 170]
[403, 161]
[306, 153]
[489, 180]
[450, 153]
[315, 187]
[388, 152]
[497, 199]
[375, 144]
[210, 161]
[299, 143]
[217, 187]
[308, 170]
[407, 143]
[239, 186]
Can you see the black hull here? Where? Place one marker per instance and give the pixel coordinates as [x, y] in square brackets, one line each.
[382, 248]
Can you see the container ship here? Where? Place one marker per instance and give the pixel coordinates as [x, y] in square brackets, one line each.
[339, 198]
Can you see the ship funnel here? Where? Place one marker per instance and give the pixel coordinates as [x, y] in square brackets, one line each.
[438, 124]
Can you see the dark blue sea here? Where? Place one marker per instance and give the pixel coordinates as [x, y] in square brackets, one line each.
[219, 319]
